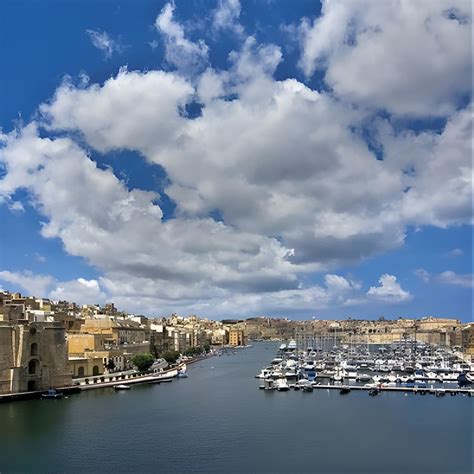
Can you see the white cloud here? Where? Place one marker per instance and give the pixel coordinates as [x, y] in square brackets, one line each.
[180, 52]
[285, 166]
[34, 284]
[403, 56]
[104, 42]
[141, 294]
[422, 274]
[436, 171]
[226, 16]
[125, 234]
[40, 258]
[79, 291]
[333, 202]
[455, 253]
[389, 290]
[451, 278]
[132, 110]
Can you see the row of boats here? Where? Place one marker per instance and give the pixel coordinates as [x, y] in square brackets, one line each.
[379, 365]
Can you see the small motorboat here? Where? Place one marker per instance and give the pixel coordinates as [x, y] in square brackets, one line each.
[307, 388]
[122, 387]
[373, 392]
[52, 394]
[344, 391]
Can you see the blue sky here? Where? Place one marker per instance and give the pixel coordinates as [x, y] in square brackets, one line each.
[238, 158]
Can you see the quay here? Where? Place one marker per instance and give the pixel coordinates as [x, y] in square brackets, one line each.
[415, 390]
[107, 381]
[104, 381]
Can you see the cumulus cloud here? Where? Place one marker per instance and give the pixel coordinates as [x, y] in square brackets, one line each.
[323, 180]
[185, 55]
[410, 58]
[451, 278]
[125, 235]
[389, 290]
[226, 16]
[104, 42]
[33, 284]
[80, 291]
[286, 168]
[140, 294]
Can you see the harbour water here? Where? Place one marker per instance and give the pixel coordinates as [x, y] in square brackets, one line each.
[218, 420]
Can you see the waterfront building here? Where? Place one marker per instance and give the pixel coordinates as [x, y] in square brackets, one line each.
[236, 337]
[116, 331]
[467, 344]
[33, 356]
[87, 366]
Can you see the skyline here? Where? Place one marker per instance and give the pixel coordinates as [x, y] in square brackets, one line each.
[240, 158]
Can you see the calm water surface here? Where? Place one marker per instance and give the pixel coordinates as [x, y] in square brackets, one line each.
[217, 420]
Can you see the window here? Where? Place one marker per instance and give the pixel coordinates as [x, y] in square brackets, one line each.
[95, 370]
[80, 372]
[34, 349]
[32, 367]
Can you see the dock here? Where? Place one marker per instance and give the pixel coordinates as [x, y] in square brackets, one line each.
[384, 388]
[432, 390]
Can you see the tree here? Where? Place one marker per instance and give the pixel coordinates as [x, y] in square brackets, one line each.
[207, 347]
[170, 356]
[110, 365]
[143, 361]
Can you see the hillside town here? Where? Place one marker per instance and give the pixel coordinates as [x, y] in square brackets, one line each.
[47, 344]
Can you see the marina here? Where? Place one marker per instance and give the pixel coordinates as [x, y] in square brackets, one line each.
[405, 367]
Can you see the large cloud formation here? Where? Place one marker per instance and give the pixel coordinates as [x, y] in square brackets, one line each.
[287, 170]
[408, 57]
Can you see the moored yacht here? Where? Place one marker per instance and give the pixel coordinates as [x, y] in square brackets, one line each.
[282, 385]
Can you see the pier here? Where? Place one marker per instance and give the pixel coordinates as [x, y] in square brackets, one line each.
[415, 390]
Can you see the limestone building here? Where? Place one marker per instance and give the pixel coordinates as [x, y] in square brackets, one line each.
[236, 337]
[33, 356]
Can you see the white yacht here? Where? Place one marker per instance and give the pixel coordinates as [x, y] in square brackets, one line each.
[282, 385]
[264, 373]
[292, 345]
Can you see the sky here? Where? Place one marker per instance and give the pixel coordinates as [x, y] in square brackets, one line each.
[239, 158]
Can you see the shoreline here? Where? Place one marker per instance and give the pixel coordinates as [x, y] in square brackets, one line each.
[130, 379]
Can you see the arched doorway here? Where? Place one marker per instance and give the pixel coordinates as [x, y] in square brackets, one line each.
[31, 385]
[34, 349]
[95, 370]
[80, 372]
[33, 367]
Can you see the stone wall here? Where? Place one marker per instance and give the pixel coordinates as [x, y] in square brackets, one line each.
[6, 357]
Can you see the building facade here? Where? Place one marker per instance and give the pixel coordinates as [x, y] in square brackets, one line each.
[33, 356]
